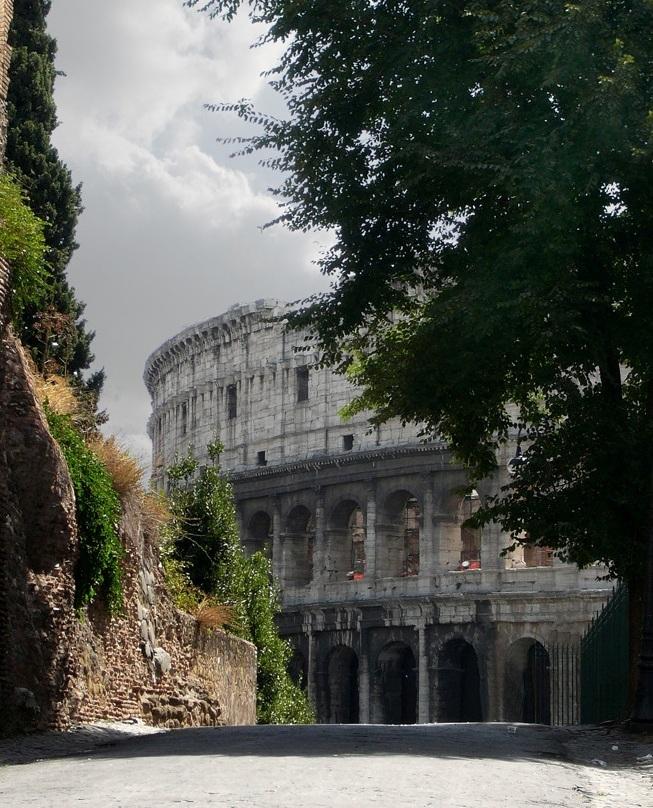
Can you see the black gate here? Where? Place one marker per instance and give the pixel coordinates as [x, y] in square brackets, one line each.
[605, 649]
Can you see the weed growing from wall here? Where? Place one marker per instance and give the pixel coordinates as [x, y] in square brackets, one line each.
[99, 570]
[204, 548]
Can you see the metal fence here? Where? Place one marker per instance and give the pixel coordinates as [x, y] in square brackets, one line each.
[565, 684]
[604, 653]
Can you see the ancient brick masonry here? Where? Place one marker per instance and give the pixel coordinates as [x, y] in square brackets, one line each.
[155, 662]
[151, 661]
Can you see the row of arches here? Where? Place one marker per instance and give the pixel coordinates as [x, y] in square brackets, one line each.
[397, 525]
[393, 687]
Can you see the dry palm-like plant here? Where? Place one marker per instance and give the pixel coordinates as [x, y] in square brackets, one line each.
[125, 471]
[56, 392]
[155, 510]
[210, 614]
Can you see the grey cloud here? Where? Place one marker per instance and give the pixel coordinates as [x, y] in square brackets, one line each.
[171, 231]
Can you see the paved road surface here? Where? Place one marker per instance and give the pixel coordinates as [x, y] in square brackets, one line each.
[444, 766]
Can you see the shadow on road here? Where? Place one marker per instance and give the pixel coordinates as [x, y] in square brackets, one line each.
[479, 741]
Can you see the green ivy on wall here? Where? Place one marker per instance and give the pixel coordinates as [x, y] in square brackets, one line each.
[98, 572]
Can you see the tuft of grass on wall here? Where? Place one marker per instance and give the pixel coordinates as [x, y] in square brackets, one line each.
[125, 471]
[98, 572]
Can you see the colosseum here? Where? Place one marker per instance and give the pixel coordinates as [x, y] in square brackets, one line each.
[397, 612]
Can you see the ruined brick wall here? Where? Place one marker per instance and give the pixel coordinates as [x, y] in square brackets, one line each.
[38, 544]
[55, 669]
[154, 662]
[151, 661]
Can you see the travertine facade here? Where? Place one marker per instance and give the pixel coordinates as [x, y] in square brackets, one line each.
[397, 611]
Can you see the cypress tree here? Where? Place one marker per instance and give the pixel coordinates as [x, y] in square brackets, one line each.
[56, 332]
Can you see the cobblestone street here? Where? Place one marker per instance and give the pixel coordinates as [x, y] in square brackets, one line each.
[448, 766]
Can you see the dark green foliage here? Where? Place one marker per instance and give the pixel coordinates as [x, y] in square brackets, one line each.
[486, 168]
[45, 178]
[23, 246]
[98, 572]
[207, 544]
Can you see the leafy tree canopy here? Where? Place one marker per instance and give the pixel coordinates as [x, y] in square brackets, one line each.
[46, 180]
[486, 169]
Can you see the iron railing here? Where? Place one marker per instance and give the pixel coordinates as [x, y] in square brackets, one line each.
[604, 652]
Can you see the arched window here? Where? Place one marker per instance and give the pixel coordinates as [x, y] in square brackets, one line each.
[398, 532]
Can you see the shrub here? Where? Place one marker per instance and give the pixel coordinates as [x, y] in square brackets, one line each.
[98, 571]
[204, 546]
[22, 244]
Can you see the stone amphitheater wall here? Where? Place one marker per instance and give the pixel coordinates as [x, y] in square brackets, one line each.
[238, 376]
[391, 606]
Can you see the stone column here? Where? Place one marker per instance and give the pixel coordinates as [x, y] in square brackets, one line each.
[426, 535]
[370, 533]
[320, 547]
[424, 691]
[277, 549]
[311, 684]
[363, 683]
[492, 542]
[446, 544]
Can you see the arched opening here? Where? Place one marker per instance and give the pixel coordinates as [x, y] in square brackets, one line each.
[398, 545]
[396, 685]
[528, 684]
[470, 537]
[346, 542]
[298, 669]
[459, 683]
[298, 543]
[342, 686]
[259, 529]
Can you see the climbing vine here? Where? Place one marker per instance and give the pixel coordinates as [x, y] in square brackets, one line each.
[98, 572]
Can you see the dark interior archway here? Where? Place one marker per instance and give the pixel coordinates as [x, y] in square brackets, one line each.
[298, 669]
[258, 534]
[342, 686]
[470, 537]
[346, 542]
[398, 531]
[397, 684]
[528, 683]
[459, 683]
[298, 544]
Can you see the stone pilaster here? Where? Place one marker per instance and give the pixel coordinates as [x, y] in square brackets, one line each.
[277, 547]
[370, 534]
[426, 535]
[320, 546]
[364, 683]
[423, 684]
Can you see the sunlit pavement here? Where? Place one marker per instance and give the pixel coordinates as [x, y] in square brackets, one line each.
[445, 766]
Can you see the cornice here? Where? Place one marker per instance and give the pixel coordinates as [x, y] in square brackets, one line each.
[336, 461]
[212, 331]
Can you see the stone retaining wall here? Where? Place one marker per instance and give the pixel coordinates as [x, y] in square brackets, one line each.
[155, 662]
[57, 667]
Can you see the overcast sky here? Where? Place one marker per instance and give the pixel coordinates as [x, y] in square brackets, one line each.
[171, 229]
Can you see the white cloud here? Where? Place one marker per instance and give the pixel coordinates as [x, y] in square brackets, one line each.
[171, 230]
